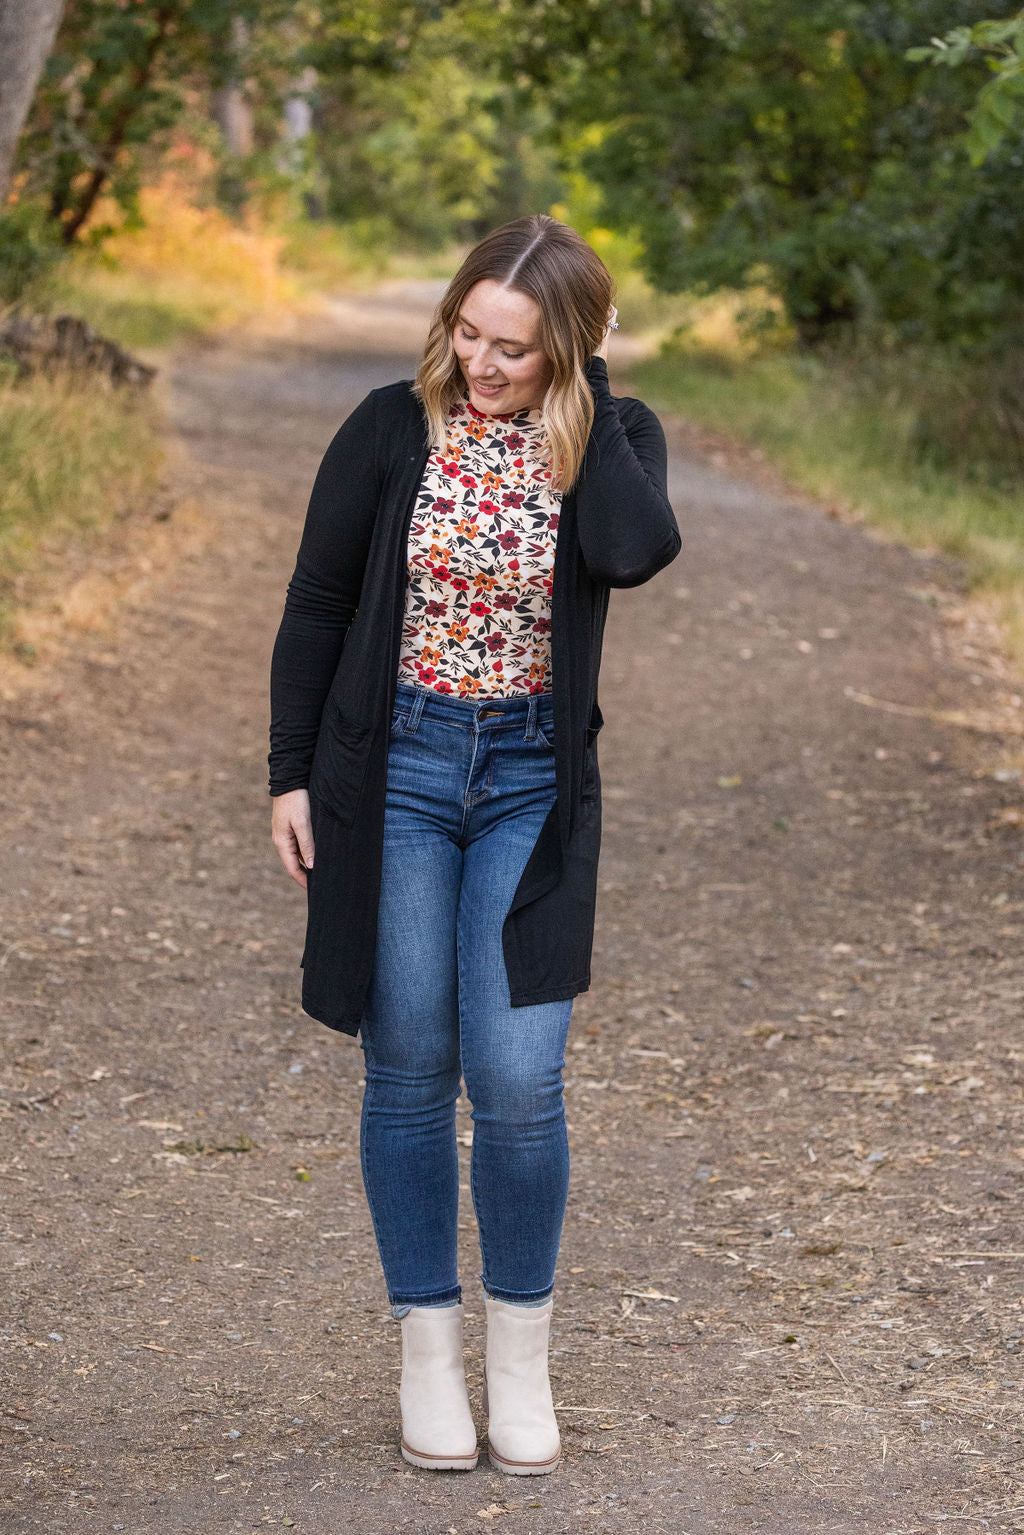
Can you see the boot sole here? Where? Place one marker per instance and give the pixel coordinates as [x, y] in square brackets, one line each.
[440, 1462]
[523, 1467]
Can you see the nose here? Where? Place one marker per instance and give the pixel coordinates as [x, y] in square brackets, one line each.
[479, 361]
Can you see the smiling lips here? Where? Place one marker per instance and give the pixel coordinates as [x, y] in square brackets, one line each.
[488, 388]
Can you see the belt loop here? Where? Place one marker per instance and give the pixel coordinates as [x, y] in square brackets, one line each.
[531, 717]
[415, 712]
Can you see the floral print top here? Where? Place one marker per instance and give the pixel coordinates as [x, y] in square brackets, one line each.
[481, 558]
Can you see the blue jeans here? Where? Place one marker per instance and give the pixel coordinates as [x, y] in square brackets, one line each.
[469, 785]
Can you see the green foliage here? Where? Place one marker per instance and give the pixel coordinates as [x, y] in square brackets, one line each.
[416, 132]
[117, 82]
[419, 136]
[999, 108]
[28, 250]
[780, 145]
[787, 142]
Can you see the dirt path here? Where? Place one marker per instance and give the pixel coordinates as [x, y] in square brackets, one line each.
[790, 1294]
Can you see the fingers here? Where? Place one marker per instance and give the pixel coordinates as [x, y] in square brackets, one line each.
[290, 859]
[292, 834]
[303, 832]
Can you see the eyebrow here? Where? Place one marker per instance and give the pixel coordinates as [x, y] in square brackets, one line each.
[526, 346]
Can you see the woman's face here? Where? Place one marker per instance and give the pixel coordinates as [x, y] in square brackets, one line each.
[497, 343]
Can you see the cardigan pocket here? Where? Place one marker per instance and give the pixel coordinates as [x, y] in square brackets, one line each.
[341, 760]
[590, 788]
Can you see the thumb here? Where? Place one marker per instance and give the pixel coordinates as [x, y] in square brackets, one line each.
[304, 838]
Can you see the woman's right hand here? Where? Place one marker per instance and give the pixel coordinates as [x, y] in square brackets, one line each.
[291, 828]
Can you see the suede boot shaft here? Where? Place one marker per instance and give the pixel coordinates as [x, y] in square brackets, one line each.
[522, 1430]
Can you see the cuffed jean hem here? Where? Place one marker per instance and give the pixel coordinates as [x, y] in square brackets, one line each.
[401, 1306]
[518, 1298]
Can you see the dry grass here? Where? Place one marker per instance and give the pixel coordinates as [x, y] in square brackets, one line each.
[853, 446]
[187, 271]
[80, 463]
[73, 460]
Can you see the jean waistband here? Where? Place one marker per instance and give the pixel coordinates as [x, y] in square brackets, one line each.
[515, 708]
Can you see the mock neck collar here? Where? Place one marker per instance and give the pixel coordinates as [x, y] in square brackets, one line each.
[528, 416]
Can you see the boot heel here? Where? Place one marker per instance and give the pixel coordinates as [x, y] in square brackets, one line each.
[440, 1462]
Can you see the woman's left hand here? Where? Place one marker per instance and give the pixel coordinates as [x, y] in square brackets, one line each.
[613, 316]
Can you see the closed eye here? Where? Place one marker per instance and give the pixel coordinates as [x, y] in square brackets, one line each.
[512, 356]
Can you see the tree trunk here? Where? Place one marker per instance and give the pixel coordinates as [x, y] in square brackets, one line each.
[27, 31]
[118, 126]
[229, 105]
[297, 121]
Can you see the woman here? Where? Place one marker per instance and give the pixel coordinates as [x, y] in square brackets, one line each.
[434, 719]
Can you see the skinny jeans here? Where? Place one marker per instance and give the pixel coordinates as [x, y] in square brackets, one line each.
[469, 785]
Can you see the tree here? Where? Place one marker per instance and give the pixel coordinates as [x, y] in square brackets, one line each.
[418, 129]
[27, 31]
[118, 81]
[787, 142]
[999, 107]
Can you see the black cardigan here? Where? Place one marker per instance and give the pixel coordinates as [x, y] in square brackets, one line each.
[335, 668]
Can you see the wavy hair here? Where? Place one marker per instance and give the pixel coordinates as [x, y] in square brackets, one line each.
[572, 287]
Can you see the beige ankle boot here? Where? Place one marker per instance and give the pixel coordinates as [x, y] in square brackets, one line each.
[522, 1430]
[437, 1424]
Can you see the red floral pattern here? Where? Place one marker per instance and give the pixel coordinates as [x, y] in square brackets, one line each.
[481, 560]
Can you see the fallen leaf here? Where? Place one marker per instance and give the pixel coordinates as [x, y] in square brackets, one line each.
[1010, 818]
[651, 1295]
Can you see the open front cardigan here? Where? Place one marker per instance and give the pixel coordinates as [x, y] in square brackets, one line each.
[335, 668]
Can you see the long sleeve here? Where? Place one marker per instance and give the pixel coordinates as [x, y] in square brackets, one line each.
[322, 594]
[627, 529]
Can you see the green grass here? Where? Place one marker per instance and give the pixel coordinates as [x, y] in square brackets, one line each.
[855, 443]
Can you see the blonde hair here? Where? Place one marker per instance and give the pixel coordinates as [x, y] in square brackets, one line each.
[572, 287]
